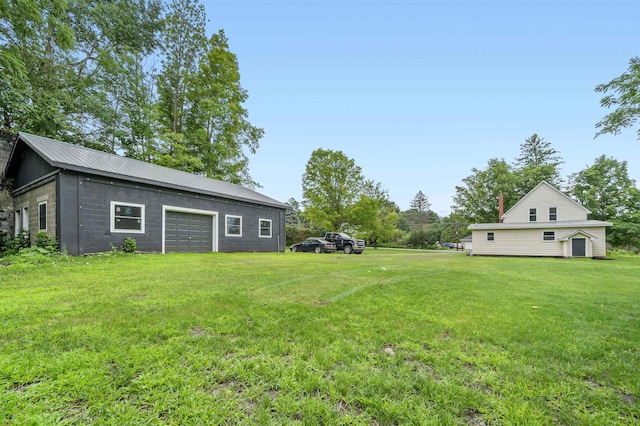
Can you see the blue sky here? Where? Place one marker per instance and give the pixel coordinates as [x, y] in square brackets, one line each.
[420, 92]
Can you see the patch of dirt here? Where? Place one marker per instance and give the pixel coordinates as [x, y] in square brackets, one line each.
[197, 331]
[388, 349]
[627, 398]
[472, 417]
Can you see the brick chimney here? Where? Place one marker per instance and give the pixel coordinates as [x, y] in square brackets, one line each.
[500, 207]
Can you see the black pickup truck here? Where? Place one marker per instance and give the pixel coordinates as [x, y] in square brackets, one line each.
[345, 242]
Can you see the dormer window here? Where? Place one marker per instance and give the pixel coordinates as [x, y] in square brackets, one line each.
[533, 215]
[553, 213]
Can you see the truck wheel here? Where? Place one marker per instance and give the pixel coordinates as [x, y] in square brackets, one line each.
[348, 249]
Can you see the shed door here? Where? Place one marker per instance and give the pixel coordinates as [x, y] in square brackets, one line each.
[187, 232]
[578, 247]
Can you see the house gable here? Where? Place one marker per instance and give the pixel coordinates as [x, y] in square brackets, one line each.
[545, 204]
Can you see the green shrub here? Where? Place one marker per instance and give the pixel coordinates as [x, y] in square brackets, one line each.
[422, 240]
[129, 245]
[14, 244]
[47, 243]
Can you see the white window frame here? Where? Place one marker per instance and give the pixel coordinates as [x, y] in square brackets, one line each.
[17, 222]
[112, 216]
[25, 218]
[40, 228]
[260, 228]
[226, 225]
[491, 236]
[550, 234]
[553, 216]
[533, 213]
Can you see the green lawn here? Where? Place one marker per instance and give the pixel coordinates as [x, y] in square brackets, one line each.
[387, 337]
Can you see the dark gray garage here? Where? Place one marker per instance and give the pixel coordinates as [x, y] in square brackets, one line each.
[91, 201]
[188, 232]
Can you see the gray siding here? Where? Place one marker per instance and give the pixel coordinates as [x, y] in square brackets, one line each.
[67, 215]
[91, 216]
[32, 167]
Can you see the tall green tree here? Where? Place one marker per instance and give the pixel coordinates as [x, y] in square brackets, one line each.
[217, 122]
[292, 215]
[64, 58]
[623, 94]
[476, 200]
[183, 44]
[606, 189]
[538, 161]
[36, 42]
[422, 206]
[374, 216]
[331, 184]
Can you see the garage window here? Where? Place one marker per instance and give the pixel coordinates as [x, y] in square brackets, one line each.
[234, 226]
[265, 228]
[127, 217]
[42, 216]
[491, 236]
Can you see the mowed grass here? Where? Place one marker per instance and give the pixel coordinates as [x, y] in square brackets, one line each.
[387, 337]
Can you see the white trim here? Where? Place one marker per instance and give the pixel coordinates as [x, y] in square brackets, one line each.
[112, 218]
[553, 240]
[46, 216]
[25, 218]
[17, 222]
[214, 223]
[226, 226]
[539, 225]
[260, 220]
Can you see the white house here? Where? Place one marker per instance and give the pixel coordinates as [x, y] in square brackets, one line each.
[545, 222]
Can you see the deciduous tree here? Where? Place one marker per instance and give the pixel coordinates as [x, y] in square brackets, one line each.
[606, 189]
[331, 184]
[622, 94]
[476, 200]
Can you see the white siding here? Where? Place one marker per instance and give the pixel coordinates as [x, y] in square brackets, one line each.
[529, 242]
[599, 244]
[541, 198]
[516, 242]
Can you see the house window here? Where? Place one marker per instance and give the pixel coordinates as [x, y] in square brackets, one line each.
[491, 236]
[553, 213]
[265, 228]
[127, 217]
[17, 222]
[42, 216]
[548, 236]
[533, 215]
[234, 226]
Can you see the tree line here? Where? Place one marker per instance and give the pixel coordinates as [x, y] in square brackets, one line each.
[337, 197]
[134, 77]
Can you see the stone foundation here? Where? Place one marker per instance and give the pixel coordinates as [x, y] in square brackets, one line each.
[6, 201]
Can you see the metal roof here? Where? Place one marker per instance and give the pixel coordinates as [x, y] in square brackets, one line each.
[86, 160]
